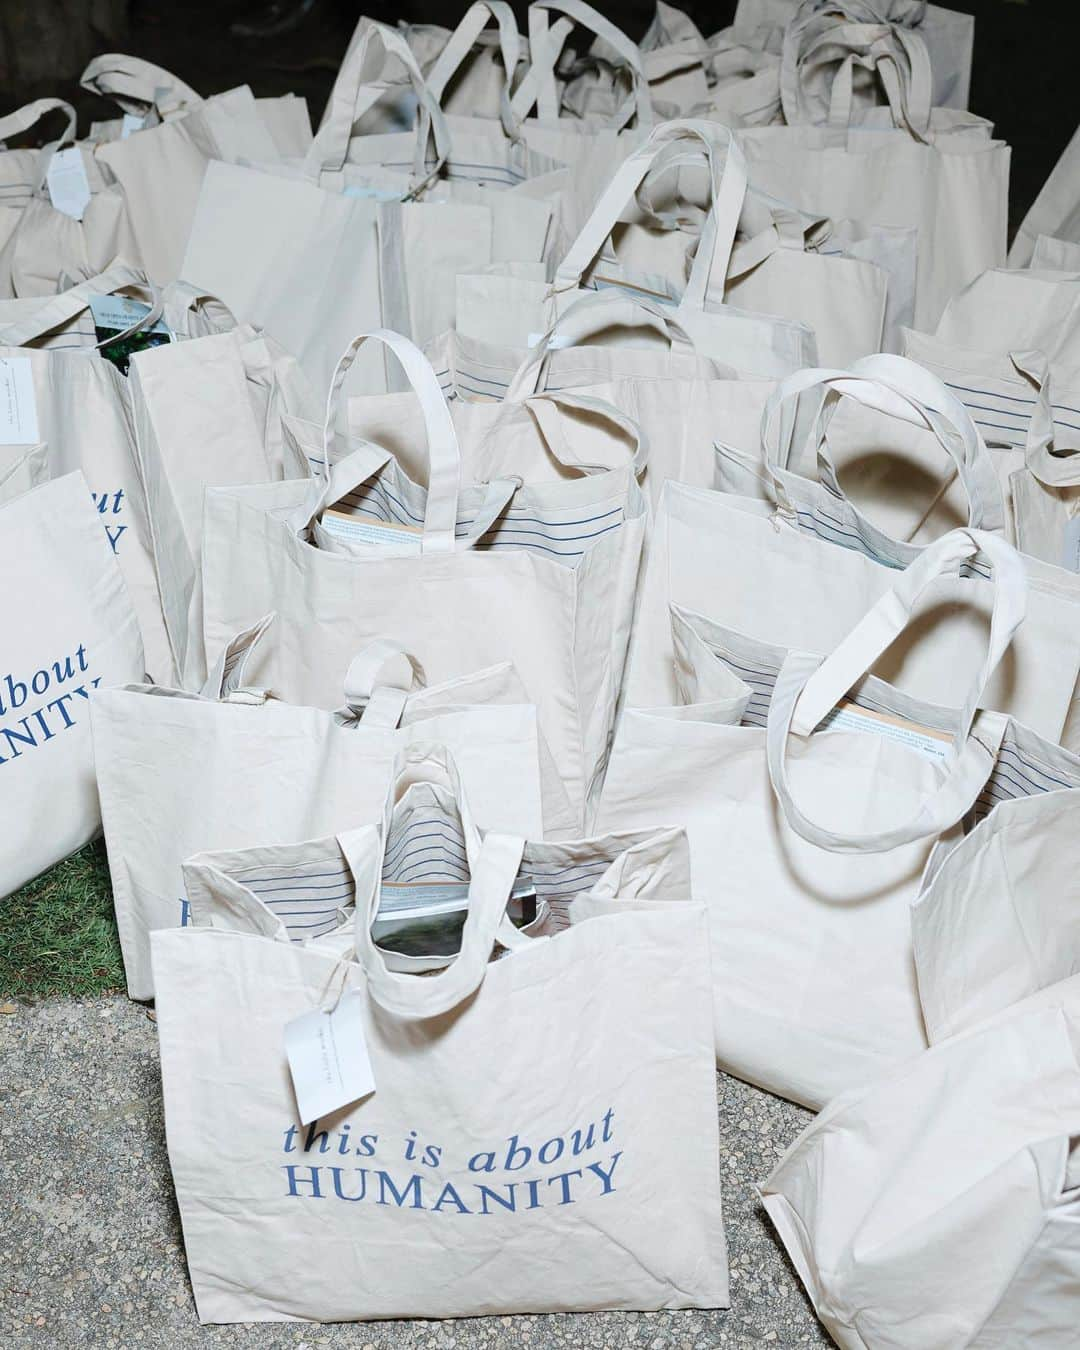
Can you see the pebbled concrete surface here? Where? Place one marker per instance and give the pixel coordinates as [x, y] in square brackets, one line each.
[91, 1253]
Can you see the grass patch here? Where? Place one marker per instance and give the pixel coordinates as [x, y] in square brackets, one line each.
[58, 934]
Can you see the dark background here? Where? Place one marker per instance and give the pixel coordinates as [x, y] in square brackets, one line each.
[1026, 67]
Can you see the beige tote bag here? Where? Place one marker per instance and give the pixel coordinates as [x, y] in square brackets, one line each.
[938, 1208]
[179, 772]
[539, 575]
[69, 629]
[526, 1178]
[813, 797]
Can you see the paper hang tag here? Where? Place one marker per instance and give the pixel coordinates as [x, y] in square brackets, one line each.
[115, 314]
[131, 123]
[69, 188]
[926, 741]
[1070, 551]
[18, 408]
[328, 1059]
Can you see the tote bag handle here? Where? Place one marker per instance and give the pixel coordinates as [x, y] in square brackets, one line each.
[460, 44]
[352, 96]
[1055, 467]
[545, 44]
[587, 316]
[809, 687]
[903, 390]
[444, 455]
[28, 116]
[727, 191]
[490, 887]
[136, 85]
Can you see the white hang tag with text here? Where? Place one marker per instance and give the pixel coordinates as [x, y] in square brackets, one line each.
[69, 188]
[328, 1059]
[18, 409]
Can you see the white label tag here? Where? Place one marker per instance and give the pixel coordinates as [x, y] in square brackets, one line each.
[328, 1059]
[121, 312]
[1070, 551]
[18, 409]
[131, 123]
[69, 187]
[925, 740]
[372, 194]
[406, 539]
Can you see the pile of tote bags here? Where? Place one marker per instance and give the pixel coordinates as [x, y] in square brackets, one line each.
[565, 578]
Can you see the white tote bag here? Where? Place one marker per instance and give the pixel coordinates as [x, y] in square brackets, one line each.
[492, 1186]
[179, 773]
[950, 182]
[78, 401]
[938, 1208]
[948, 34]
[69, 629]
[543, 576]
[808, 845]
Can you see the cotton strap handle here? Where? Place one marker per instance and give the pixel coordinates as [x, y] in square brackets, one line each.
[1052, 464]
[22, 119]
[809, 687]
[906, 391]
[460, 44]
[354, 93]
[539, 85]
[728, 189]
[490, 888]
[587, 316]
[137, 85]
[544, 409]
[61, 309]
[379, 681]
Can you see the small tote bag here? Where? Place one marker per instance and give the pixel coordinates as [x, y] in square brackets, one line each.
[938, 1208]
[542, 576]
[179, 773]
[808, 845]
[528, 1178]
[69, 630]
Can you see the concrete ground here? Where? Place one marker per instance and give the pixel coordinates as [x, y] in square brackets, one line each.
[91, 1252]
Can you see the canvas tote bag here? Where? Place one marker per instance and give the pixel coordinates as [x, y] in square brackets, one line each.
[938, 1207]
[533, 1176]
[1055, 211]
[808, 845]
[179, 773]
[728, 295]
[792, 579]
[79, 403]
[542, 576]
[69, 629]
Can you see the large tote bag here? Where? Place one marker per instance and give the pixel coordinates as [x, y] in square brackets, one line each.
[69, 629]
[813, 798]
[466, 577]
[527, 1176]
[938, 1208]
[179, 773]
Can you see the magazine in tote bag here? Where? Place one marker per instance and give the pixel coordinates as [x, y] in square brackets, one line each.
[179, 773]
[69, 629]
[492, 1191]
[466, 577]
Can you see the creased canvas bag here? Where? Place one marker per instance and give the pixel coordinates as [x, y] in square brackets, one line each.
[937, 1209]
[179, 773]
[68, 629]
[542, 576]
[813, 798]
[510, 1196]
